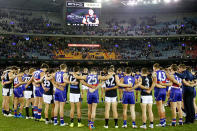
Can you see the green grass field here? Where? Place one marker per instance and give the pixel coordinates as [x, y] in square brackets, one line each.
[30, 125]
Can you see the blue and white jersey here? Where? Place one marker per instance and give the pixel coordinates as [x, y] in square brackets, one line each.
[59, 77]
[137, 76]
[92, 80]
[16, 81]
[161, 77]
[178, 79]
[129, 80]
[37, 75]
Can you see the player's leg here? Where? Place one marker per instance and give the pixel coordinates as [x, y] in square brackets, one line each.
[144, 116]
[173, 109]
[62, 114]
[56, 110]
[180, 112]
[40, 101]
[150, 114]
[107, 109]
[15, 107]
[7, 104]
[31, 101]
[160, 112]
[125, 115]
[79, 114]
[46, 112]
[94, 106]
[115, 112]
[72, 112]
[21, 101]
[89, 112]
[133, 116]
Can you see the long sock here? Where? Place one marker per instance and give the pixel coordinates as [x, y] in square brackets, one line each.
[180, 121]
[32, 111]
[106, 122]
[71, 120]
[151, 122]
[27, 111]
[36, 112]
[125, 122]
[116, 122]
[161, 121]
[52, 118]
[39, 113]
[195, 115]
[79, 120]
[61, 120]
[133, 122]
[47, 119]
[164, 120]
[15, 112]
[55, 119]
[173, 122]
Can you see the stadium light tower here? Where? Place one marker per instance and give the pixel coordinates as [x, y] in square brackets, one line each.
[99, 1]
[167, 1]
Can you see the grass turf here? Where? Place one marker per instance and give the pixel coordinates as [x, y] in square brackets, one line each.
[16, 124]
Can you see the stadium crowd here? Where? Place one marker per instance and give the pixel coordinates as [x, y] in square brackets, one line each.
[24, 22]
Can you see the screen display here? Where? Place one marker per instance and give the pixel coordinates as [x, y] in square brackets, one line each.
[83, 16]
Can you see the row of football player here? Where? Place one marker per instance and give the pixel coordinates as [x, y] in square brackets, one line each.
[51, 85]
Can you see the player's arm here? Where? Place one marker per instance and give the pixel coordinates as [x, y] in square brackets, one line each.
[20, 82]
[137, 83]
[105, 77]
[11, 77]
[121, 84]
[188, 84]
[29, 82]
[173, 80]
[109, 89]
[80, 77]
[85, 84]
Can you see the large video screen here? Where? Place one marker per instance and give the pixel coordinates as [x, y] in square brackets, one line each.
[83, 16]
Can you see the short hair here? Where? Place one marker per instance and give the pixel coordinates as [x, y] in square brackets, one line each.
[93, 69]
[105, 69]
[14, 68]
[119, 69]
[156, 65]
[183, 66]
[31, 70]
[76, 68]
[189, 68]
[51, 70]
[128, 70]
[144, 70]
[63, 66]
[174, 67]
[110, 70]
[44, 65]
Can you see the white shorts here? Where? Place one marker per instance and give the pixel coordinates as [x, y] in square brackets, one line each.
[147, 99]
[110, 99]
[103, 86]
[28, 94]
[75, 97]
[84, 87]
[7, 92]
[48, 99]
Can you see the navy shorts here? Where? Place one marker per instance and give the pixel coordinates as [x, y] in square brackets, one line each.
[175, 95]
[60, 96]
[128, 98]
[160, 94]
[93, 98]
[39, 91]
[18, 92]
